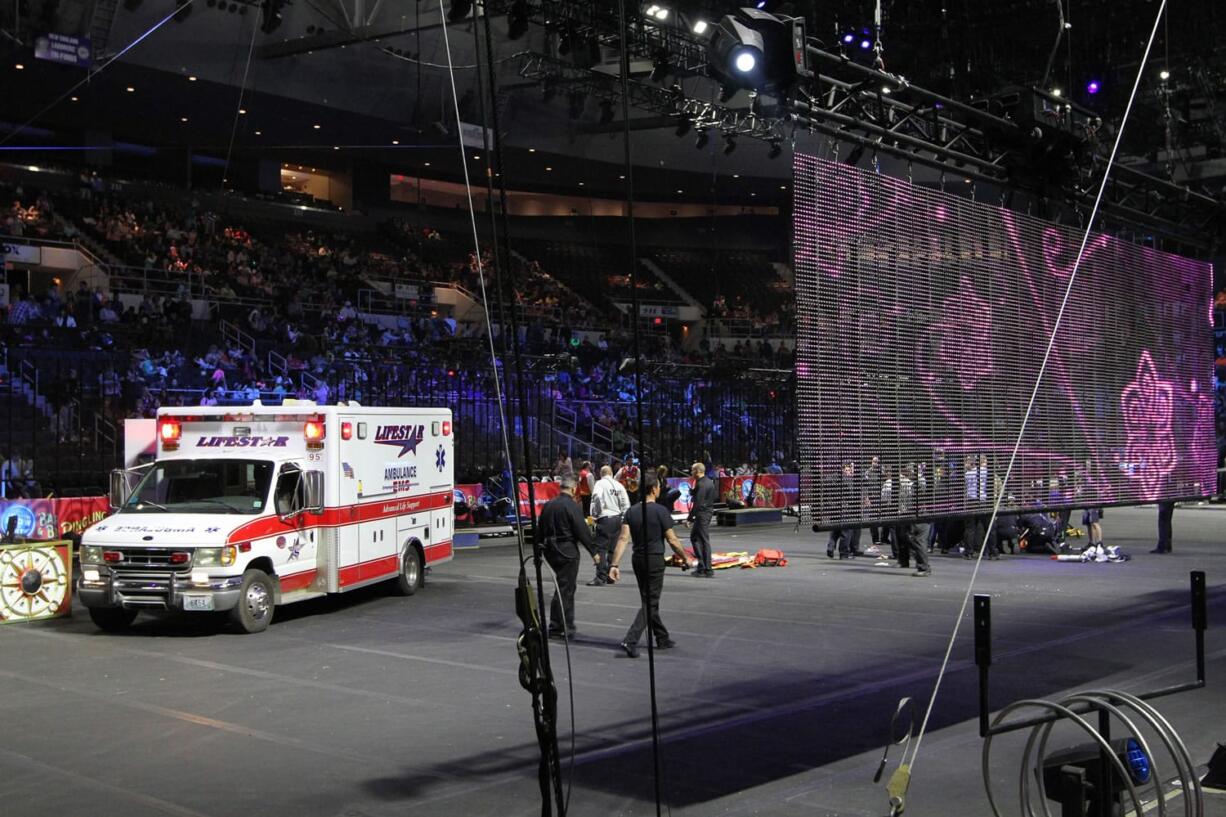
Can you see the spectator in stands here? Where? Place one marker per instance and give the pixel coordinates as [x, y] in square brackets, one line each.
[25, 311]
[65, 319]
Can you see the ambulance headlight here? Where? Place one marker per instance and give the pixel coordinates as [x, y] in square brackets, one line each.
[215, 557]
[91, 555]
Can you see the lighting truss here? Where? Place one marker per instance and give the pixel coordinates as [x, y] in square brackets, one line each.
[883, 112]
[671, 102]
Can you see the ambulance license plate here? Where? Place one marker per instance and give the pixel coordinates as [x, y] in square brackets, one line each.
[201, 603]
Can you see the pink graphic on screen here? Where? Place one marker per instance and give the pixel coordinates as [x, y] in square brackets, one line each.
[1148, 404]
[922, 319]
[965, 345]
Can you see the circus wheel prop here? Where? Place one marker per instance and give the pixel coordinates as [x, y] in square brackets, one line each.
[35, 583]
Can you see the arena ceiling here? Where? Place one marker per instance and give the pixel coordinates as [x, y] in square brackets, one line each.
[372, 74]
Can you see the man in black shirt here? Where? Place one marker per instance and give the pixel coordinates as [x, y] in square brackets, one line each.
[700, 517]
[562, 526]
[649, 525]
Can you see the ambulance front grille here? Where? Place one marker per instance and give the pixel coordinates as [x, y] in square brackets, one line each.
[148, 559]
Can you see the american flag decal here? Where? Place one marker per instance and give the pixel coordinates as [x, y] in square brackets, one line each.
[347, 469]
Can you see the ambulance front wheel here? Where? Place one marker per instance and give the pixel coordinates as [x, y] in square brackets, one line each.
[253, 613]
[410, 577]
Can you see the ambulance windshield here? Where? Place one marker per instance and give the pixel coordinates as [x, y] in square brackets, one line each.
[203, 486]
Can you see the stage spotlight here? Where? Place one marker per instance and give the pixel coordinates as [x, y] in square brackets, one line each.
[459, 10]
[703, 138]
[700, 27]
[606, 112]
[729, 144]
[865, 45]
[1093, 87]
[775, 150]
[683, 127]
[656, 12]
[517, 20]
[754, 49]
[849, 38]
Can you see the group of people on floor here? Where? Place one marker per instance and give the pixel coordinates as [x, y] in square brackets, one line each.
[645, 528]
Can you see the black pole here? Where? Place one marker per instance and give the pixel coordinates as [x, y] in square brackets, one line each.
[1200, 621]
[983, 655]
[1106, 770]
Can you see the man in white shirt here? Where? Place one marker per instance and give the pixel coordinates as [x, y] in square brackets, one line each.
[609, 502]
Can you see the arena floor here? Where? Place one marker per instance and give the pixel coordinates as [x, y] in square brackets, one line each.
[776, 701]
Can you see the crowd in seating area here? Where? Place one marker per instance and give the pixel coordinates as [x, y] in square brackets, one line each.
[292, 291]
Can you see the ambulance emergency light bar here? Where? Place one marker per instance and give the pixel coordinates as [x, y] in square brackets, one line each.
[314, 428]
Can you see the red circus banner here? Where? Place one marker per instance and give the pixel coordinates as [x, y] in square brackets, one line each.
[542, 491]
[47, 519]
[470, 495]
[768, 491]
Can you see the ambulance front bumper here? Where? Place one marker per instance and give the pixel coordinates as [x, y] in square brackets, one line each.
[156, 590]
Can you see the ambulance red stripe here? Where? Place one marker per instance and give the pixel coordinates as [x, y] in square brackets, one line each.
[387, 566]
[344, 515]
[297, 581]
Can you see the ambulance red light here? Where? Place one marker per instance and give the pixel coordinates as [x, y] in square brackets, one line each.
[346, 431]
[446, 428]
[314, 431]
[112, 556]
[179, 558]
[244, 547]
[170, 432]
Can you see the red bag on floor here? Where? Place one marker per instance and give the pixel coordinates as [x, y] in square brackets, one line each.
[769, 557]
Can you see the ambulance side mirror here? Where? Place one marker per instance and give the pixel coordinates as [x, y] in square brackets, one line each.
[121, 489]
[313, 491]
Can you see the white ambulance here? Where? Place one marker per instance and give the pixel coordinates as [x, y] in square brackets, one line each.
[245, 508]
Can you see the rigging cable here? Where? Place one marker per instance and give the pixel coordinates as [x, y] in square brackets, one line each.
[533, 644]
[550, 769]
[908, 764]
[238, 108]
[644, 589]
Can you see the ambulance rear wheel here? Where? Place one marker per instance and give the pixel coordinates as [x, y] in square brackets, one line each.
[253, 613]
[410, 577]
[112, 619]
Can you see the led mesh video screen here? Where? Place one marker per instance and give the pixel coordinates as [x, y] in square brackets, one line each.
[922, 321]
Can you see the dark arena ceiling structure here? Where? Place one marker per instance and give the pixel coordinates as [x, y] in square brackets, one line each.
[972, 77]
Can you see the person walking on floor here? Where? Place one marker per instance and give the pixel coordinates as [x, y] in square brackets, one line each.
[701, 510]
[562, 528]
[906, 532]
[648, 526]
[609, 502]
[1166, 513]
